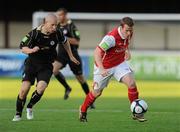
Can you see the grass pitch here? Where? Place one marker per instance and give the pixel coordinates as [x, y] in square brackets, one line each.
[53, 114]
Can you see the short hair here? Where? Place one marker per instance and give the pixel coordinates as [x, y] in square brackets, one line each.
[62, 9]
[128, 21]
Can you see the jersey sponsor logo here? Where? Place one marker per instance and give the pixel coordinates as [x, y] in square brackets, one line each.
[120, 50]
[52, 43]
[44, 48]
[46, 36]
[120, 43]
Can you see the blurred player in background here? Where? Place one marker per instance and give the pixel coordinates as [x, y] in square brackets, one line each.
[110, 60]
[40, 46]
[71, 32]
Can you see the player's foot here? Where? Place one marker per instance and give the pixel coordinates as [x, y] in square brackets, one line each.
[66, 94]
[82, 115]
[139, 117]
[92, 106]
[29, 113]
[16, 118]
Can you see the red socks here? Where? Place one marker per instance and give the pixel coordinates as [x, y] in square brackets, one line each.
[132, 94]
[87, 102]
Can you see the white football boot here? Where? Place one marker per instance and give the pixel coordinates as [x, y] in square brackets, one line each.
[29, 113]
[16, 118]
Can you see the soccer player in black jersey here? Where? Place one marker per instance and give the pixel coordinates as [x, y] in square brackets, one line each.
[71, 32]
[40, 45]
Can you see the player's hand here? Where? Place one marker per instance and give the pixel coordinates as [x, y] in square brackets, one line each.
[73, 59]
[35, 49]
[104, 72]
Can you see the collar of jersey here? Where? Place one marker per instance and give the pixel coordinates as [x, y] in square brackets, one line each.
[119, 31]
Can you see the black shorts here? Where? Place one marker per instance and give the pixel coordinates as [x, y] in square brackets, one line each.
[64, 59]
[39, 71]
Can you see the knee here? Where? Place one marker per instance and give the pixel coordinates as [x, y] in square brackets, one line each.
[22, 94]
[55, 71]
[96, 93]
[41, 88]
[82, 81]
[131, 84]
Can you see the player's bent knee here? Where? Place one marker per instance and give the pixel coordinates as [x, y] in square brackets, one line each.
[96, 93]
[80, 78]
[55, 72]
[132, 84]
[41, 86]
[22, 94]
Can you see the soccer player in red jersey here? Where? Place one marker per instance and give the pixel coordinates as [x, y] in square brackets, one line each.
[110, 60]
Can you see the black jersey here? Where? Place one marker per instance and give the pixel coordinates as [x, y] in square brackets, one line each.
[69, 30]
[46, 43]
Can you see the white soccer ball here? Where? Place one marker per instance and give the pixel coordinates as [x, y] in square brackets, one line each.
[138, 106]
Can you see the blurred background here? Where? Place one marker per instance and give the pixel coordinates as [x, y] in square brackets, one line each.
[156, 37]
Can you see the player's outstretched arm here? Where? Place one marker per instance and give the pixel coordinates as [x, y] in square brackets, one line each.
[68, 50]
[27, 50]
[26, 44]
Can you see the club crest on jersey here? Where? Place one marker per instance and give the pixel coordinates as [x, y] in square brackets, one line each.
[52, 43]
[65, 31]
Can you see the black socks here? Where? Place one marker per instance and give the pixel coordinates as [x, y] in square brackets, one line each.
[34, 99]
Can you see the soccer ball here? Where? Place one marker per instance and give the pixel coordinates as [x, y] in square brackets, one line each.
[138, 106]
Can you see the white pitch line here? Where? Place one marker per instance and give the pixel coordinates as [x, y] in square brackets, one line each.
[65, 110]
[76, 110]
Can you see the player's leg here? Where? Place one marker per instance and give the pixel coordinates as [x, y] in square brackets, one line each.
[100, 83]
[43, 78]
[89, 100]
[78, 72]
[36, 96]
[124, 74]
[60, 77]
[84, 86]
[83, 83]
[129, 81]
[27, 80]
[21, 100]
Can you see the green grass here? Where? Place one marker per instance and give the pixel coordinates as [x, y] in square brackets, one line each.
[53, 114]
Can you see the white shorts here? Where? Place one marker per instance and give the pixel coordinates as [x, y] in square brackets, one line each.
[118, 72]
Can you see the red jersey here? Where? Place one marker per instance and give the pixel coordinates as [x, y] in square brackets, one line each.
[114, 47]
